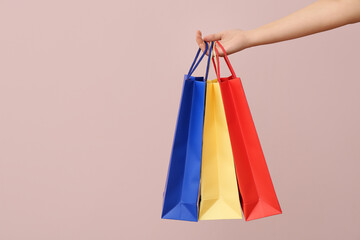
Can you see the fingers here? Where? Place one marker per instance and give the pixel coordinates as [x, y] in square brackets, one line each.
[213, 37]
[209, 38]
[200, 41]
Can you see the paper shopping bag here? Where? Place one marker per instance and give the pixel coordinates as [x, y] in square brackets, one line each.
[219, 191]
[257, 193]
[182, 186]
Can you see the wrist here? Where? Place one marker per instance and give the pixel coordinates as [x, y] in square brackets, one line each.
[251, 38]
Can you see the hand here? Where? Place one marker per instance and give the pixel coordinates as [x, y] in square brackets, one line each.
[232, 41]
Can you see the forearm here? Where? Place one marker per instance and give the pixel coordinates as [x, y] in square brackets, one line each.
[317, 17]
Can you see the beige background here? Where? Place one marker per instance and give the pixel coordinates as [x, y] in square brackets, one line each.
[89, 94]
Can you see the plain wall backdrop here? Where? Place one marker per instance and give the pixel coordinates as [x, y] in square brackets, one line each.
[89, 96]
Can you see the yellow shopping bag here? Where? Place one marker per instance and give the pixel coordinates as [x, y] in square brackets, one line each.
[219, 196]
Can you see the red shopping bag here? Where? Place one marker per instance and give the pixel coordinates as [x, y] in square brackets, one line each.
[257, 193]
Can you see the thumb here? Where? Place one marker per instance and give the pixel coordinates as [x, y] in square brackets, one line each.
[213, 37]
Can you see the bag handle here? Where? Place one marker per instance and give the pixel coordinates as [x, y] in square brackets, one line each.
[193, 65]
[214, 56]
[208, 63]
[217, 66]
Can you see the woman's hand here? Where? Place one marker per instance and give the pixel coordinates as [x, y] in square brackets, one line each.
[232, 40]
[319, 16]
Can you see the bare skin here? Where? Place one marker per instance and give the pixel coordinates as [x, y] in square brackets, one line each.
[319, 16]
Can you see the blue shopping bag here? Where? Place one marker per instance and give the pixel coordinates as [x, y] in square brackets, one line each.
[183, 180]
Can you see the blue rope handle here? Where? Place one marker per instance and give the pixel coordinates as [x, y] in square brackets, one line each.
[208, 63]
[193, 65]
